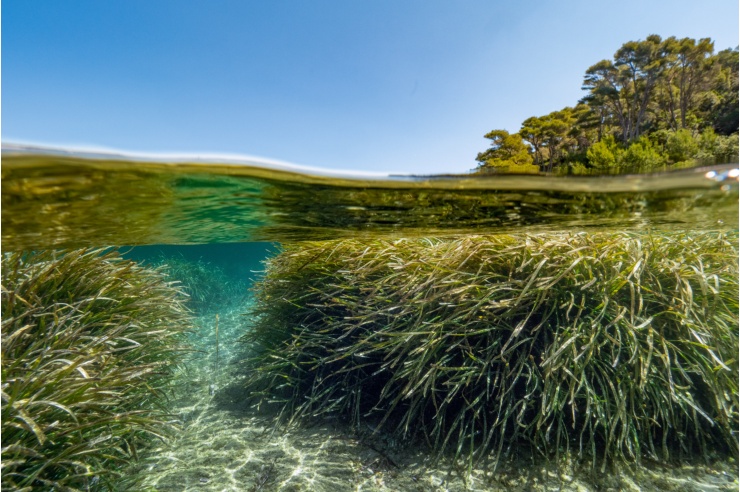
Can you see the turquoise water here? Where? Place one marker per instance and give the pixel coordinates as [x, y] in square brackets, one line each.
[214, 222]
[240, 262]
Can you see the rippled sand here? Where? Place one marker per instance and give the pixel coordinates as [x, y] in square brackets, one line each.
[225, 446]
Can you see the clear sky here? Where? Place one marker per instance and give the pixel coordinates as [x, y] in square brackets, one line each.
[375, 85]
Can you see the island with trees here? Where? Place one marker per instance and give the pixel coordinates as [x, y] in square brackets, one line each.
[659, 104]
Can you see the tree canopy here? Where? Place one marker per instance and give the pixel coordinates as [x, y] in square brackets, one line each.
[507, 152]
[657, 103]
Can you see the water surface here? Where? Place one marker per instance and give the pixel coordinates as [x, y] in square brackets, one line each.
[53, 198]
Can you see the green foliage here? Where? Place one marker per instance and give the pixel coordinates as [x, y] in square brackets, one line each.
[709, 144]
[550, 136]
[87, 343]
[717, 149]
[623, 88]
[574, 168]
[719, 106]
[669, 90]
[727, 148]
[505, 147]
[609, 157]
[605, 155]
[508, 153]
[533, 132]
[612, 345]
[494, 166]
[507, 166]
[681, 146]
[688, 71]
[642, 156]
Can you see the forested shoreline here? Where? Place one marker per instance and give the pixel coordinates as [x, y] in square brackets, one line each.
[658, 104]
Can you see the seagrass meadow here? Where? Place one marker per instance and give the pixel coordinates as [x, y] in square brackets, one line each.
[88, 343]
[606, 346]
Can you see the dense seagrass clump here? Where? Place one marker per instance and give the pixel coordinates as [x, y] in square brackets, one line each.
[88, 340]
[609, 345]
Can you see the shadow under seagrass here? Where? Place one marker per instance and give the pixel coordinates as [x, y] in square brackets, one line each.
[605, 345]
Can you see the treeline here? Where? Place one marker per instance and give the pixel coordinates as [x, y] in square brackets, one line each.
[660, 103]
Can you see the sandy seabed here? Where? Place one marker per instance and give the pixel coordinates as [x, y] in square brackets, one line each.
[224, 445]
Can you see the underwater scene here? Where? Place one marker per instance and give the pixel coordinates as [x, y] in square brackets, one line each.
[226, 324]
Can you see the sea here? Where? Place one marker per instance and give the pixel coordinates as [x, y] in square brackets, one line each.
[225, 216]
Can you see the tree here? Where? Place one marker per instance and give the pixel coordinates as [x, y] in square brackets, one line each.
[552, 136]
[507, 152]
[656, 103]
[623, 88]
[681, 146]
[642, 156]
[556, 131]
[587, 128]
[720, 103]
[688, 69]
[717, 149]
[533, 133]
[605, 155]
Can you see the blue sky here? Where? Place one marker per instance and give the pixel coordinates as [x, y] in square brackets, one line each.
[393, 86]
